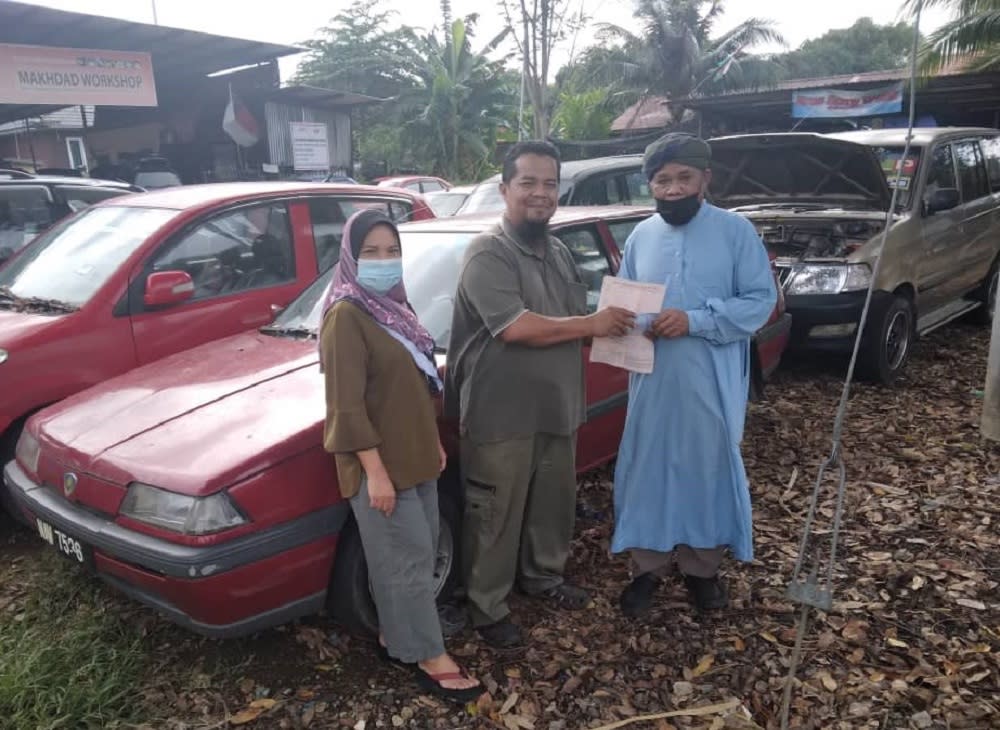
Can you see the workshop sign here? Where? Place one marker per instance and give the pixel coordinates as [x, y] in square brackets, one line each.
[833, 103]
[71, 76]
[310, 146]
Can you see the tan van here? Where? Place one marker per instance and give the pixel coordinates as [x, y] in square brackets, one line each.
[819, 202]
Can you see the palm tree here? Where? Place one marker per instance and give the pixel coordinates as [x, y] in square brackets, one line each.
[675, 55]
[460, 98]
[973, 35]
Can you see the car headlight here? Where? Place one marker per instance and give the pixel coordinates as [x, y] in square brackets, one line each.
[829, 278]
[3, 356]
[27, 452]
[179, 512]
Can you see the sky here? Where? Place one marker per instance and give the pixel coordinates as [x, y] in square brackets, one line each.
[294, 21]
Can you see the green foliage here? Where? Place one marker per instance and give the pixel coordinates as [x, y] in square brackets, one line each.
[582, 115]
[66, 661]
[972, 36]
[864, 46]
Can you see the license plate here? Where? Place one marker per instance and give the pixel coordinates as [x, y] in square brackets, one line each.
[66, 545]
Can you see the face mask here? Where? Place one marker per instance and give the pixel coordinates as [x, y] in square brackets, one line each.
[680, 211]
[380, 276]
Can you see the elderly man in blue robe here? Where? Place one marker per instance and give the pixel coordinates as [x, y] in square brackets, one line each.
[681, 493]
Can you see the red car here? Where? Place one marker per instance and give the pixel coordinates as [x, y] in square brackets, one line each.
[199, 485]
[136, 278]
[415, 183]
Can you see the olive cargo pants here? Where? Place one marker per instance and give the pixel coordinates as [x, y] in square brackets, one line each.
[520, 508]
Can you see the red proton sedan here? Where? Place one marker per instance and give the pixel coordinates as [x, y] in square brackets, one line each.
[136, 278]
[199, 485]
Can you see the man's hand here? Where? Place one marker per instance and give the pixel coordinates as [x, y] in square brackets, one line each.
[382, 494]
[670, 323]
[442, 457]
[611, 322]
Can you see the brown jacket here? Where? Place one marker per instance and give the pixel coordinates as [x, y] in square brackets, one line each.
[376, 397]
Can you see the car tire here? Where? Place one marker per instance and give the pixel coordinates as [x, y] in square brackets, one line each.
[888, 339]
[988, 295]
[349, 599]
[8, 447]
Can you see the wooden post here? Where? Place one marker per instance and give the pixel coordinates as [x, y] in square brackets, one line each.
[990, 424]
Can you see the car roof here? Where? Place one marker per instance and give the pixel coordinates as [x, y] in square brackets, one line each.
[64, 180]
[897, 137]
[573, 169]
[189, 197]
[477, 222]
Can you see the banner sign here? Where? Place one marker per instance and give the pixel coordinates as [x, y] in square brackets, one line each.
[72, 76]
[310, 149]
[833, 103]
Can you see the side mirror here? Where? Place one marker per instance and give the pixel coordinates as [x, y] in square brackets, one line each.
[941, 200]
[166, 288]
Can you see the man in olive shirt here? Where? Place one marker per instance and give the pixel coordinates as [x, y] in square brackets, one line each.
[515, 382]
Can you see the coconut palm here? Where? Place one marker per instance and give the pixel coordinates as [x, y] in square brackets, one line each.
[972, 35]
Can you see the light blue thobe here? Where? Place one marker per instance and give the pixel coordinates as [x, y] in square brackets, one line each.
[680, 478]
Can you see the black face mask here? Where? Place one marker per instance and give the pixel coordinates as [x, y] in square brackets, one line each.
[680, 211]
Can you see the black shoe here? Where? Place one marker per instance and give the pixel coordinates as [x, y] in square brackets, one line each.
[707, 594]
[637, 598]
[502, 635]
[567, 596]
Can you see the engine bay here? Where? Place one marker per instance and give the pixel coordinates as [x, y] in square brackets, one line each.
[816, 239]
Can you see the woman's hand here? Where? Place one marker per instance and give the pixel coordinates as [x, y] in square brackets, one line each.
[443, 457]
[381, 493]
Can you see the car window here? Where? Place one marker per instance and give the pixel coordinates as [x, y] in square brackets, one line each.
[328, 218]
[991, 151]
[79, 197]
[432, 186]
[248, 248]
[941, 174]
[621, 230]
[154, 179]
[588, 253]
[637, 187]
[75, 258]
[971, 171]
[25, 211]
[602, 190]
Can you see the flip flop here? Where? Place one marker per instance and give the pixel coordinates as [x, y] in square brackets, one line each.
[432, 684]
[383, 654]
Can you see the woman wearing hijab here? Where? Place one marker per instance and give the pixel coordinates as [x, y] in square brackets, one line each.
[381, 426]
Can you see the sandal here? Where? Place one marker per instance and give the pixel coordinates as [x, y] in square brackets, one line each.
[383, 654]
[432, 684]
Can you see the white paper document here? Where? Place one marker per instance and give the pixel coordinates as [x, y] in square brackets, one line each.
[633, 351]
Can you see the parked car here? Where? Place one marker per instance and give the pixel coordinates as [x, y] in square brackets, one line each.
[136, 278]
[199, 485]
[446, 203]
[820, 204]
[29, 204]
[415, 183]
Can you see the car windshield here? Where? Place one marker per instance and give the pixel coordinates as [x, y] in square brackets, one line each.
[889, 158]
[71, 261]
[445, 204]
[431, 263]
[152, 180]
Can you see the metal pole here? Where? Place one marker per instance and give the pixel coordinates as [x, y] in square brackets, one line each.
[155, 21]
[990, 423]
[31, 145]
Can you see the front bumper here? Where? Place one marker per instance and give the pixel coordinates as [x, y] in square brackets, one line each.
[816, 319]
[224, 590]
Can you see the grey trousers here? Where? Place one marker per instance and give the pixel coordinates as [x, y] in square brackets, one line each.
[400, 551]
[697, 562]
[520, 507]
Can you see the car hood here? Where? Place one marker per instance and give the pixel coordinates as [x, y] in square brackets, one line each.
[198, 421]
[17, 326]
[769, 169]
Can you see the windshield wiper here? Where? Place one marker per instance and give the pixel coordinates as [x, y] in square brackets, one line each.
[33, 304]
[306, 332]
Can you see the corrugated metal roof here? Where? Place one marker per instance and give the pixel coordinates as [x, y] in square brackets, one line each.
[649, 113]
[72, 117]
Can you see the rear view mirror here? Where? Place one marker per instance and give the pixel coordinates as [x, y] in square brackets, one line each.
[165, 288]
[941, 200]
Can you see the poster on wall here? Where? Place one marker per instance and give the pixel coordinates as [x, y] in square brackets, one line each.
[310, 147]
[71, 76]
[833, 103]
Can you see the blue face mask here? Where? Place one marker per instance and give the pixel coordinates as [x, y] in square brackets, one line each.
[379, 276]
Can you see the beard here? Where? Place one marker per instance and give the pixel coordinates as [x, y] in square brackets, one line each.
[533, 231]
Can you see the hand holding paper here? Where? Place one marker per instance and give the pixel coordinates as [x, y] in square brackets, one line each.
[632, 350]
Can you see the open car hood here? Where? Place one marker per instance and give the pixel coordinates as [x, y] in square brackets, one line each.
[767, 169]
